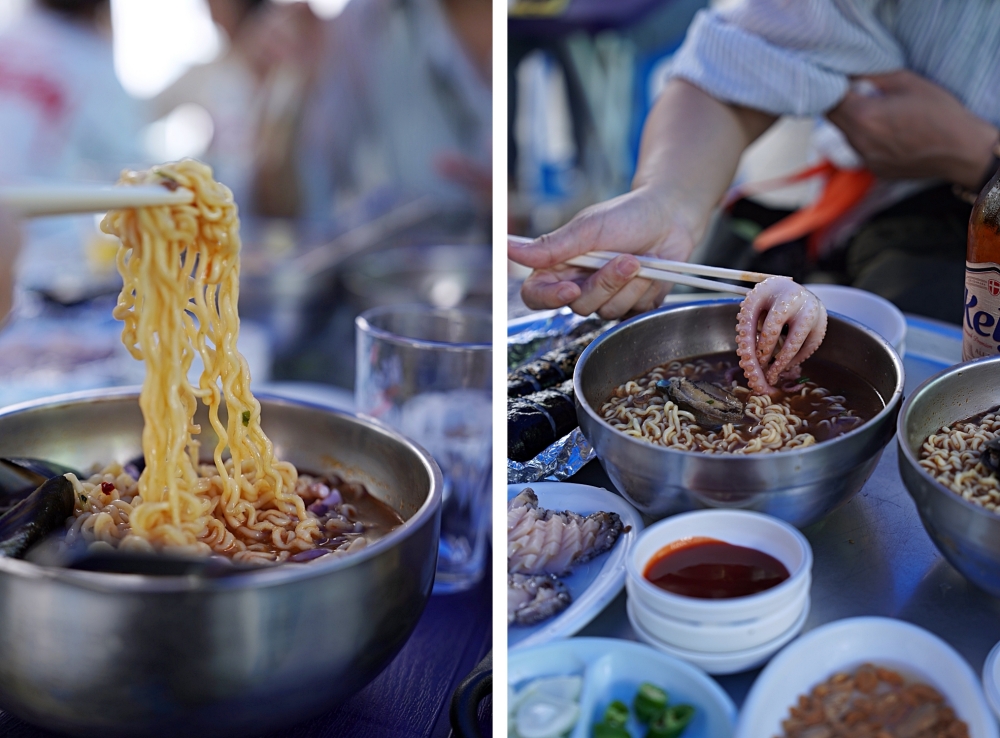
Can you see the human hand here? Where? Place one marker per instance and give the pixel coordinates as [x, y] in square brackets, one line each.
[911, 127]
[639, 222]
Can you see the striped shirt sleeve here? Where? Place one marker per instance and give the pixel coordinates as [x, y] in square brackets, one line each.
[785, 57]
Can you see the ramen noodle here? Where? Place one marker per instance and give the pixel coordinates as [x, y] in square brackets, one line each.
[952, 456]
[180, 268]
[807, 411]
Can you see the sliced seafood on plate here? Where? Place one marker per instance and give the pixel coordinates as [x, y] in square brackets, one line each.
[566, 551]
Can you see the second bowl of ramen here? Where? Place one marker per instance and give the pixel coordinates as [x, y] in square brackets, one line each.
[797, 456]
[947, 430]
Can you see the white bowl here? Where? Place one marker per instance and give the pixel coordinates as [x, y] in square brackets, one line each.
[732, 662]
[740, 528]
[844, 645]
[719, 637]
[867, 308]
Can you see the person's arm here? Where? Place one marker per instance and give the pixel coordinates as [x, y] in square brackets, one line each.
[691, 145]
[910, 127]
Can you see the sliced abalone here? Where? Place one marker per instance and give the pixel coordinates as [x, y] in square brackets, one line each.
[541, 541]
[534, 598]
[710, 404]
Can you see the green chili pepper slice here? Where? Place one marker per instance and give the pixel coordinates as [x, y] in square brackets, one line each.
[650, 702]
[616, 714]
[604, 730]
[671, 723]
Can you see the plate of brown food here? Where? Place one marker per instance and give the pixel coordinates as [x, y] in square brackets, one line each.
[566, 550]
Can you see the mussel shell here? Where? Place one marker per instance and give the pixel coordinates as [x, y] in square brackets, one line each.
[19, 477]
[711, 405]
[990, 455]
[36, 516]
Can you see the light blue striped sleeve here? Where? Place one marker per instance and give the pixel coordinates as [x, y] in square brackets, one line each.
[785, 57]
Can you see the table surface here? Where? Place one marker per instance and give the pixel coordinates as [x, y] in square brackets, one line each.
[872, 556]
[412, 697]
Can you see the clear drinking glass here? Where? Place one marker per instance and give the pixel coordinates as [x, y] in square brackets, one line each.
[427, 372]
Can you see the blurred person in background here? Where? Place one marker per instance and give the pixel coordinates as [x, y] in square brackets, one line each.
[10, 244]
[400, 100]
[63, 112]
[914, 87]
[257, 85]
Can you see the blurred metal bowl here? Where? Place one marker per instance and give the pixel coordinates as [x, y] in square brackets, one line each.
[125, 655]
[799, 486]
[967, 534]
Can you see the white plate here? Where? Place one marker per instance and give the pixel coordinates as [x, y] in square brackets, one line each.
[613, 669]
[732, 662]
[593, 584]
[843, 645]
[991, 679]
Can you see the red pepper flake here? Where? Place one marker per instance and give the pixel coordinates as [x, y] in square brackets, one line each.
[107, 487]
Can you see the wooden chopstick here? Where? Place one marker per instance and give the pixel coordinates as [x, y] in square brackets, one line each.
[664, 270]
[594, 262]
[666, 265]
[35, 200]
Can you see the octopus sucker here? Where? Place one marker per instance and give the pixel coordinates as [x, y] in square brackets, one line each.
[765, 358]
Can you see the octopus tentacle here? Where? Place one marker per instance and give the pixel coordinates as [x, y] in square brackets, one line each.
[766, 310]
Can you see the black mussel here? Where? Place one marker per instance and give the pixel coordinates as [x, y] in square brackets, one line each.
[990, 455]
[19, 477]
[40, 513]
[711, 405]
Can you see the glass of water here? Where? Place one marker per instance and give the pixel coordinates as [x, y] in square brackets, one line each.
[427, 372]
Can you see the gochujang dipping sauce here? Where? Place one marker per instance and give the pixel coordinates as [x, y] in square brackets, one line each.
[712, 570]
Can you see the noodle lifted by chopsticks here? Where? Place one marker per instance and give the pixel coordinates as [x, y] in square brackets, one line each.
[180, 266]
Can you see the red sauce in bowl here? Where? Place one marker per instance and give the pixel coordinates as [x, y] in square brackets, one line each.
[711, 569]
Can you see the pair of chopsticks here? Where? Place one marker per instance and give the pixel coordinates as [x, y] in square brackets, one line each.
[665, 270]
[30, 201]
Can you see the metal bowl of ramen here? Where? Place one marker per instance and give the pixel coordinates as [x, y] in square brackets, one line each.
[101, 654]
[799, 485]
[967, 534]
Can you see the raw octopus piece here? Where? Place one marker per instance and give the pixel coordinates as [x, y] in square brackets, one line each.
[772, 304]
[532, 599]
[541, 541]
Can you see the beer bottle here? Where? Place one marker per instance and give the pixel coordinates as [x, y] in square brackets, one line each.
[981, 324]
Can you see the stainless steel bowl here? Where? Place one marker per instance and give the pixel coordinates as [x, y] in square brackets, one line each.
[799, 486]
[967, 534]
[124, 655]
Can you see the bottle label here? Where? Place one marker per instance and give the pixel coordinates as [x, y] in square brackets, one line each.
[981, 325]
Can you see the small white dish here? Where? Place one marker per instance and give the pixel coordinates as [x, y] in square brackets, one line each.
[613, 669]
[593, 584]
[869, 309]
[991, 679]
[731, 662]
[737, 527]
[843, 645]
[718, 637]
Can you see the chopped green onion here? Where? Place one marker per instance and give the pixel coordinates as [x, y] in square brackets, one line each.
[246, 417]
[604, 730]
[671, 723]
[616, 714]
[803, 380]
[650, 702]
[710, 402]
